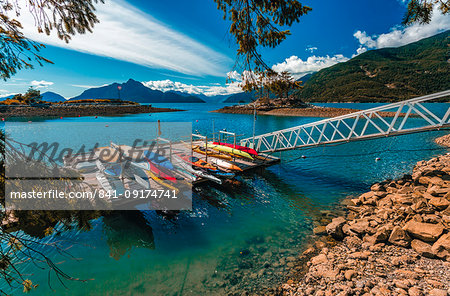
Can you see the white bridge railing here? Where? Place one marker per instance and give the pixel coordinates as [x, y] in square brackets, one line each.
[393, 119]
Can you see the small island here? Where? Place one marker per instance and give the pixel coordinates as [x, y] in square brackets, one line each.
[31, 104]
[288, 107]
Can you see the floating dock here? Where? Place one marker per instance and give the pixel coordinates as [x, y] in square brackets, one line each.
[90, 178]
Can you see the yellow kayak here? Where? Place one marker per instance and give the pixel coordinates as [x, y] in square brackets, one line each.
[160, 181]
[230, 150]
[203, 151]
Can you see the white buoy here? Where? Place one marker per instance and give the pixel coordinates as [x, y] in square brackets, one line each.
[377, 159]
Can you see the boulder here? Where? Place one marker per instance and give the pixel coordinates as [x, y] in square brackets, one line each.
[438, 292]
[385, 202]
[420, 204]
[426, 195]
[366, 196]
[320, 230]
[422, 248]
[436, 181]
[439, 203]
[399, 237]
[441, 248]
[319, 259]
[335, 228]
[424, 231]
[381, 235]
[349, 274]
[353, 241]
[414, 291]
[424, 180]
[377, 187]
[360, 227]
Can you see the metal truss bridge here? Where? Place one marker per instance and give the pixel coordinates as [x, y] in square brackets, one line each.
[399, 118]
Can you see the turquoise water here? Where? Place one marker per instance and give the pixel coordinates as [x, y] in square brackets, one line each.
[235, 238]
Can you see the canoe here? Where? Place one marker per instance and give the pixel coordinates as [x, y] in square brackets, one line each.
[203, 151]
[188, 167]
[158, 160]
[161, 172]
[223, 174]
[86, 167]
[183, 167]
[224, 164]
[239, 147]
[137, 173]
[110, 169]
[150, 175]
[195, 161]
[111, 185]
[160, 181]
[230, 150]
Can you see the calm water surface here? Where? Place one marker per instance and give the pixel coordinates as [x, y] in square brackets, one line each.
[232, 238]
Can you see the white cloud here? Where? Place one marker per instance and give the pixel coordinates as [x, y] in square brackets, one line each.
[234, 75]
[229, 89]
[4, 95]
[208, 90]
[311, 49]
[360, 50]
[298, 67]
[169, 85]
[41, 84]
[128, 34]
[399, 36]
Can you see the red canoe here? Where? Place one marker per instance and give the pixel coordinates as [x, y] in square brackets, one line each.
[161, 172]
[238, 147]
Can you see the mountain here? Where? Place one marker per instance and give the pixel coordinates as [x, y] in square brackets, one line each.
[133, 90]
[305, 78]
[388, 74]
[242, 97]
[52, 97]
[6, 97]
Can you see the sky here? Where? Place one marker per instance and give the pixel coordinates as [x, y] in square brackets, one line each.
[185, 46]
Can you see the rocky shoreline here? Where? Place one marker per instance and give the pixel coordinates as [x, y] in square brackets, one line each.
[79, 110]
[290, 107]
[392, 240]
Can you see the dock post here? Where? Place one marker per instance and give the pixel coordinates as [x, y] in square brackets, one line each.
[206, 148]
[213, 132]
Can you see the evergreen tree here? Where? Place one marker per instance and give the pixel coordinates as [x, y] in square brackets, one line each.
[420, 11]
[66, 17]
[259, 23]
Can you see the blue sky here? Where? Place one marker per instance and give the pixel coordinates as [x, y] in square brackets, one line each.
[185, 45]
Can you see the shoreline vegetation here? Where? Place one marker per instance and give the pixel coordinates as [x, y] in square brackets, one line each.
[392, 240]
[78, 109]
[290, 107]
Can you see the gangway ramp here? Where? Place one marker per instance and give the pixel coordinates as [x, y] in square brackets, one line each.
[403, 117]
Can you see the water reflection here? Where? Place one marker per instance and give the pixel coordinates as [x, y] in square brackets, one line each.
[125, 230]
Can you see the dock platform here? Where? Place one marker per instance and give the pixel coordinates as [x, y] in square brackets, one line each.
[90, 177]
